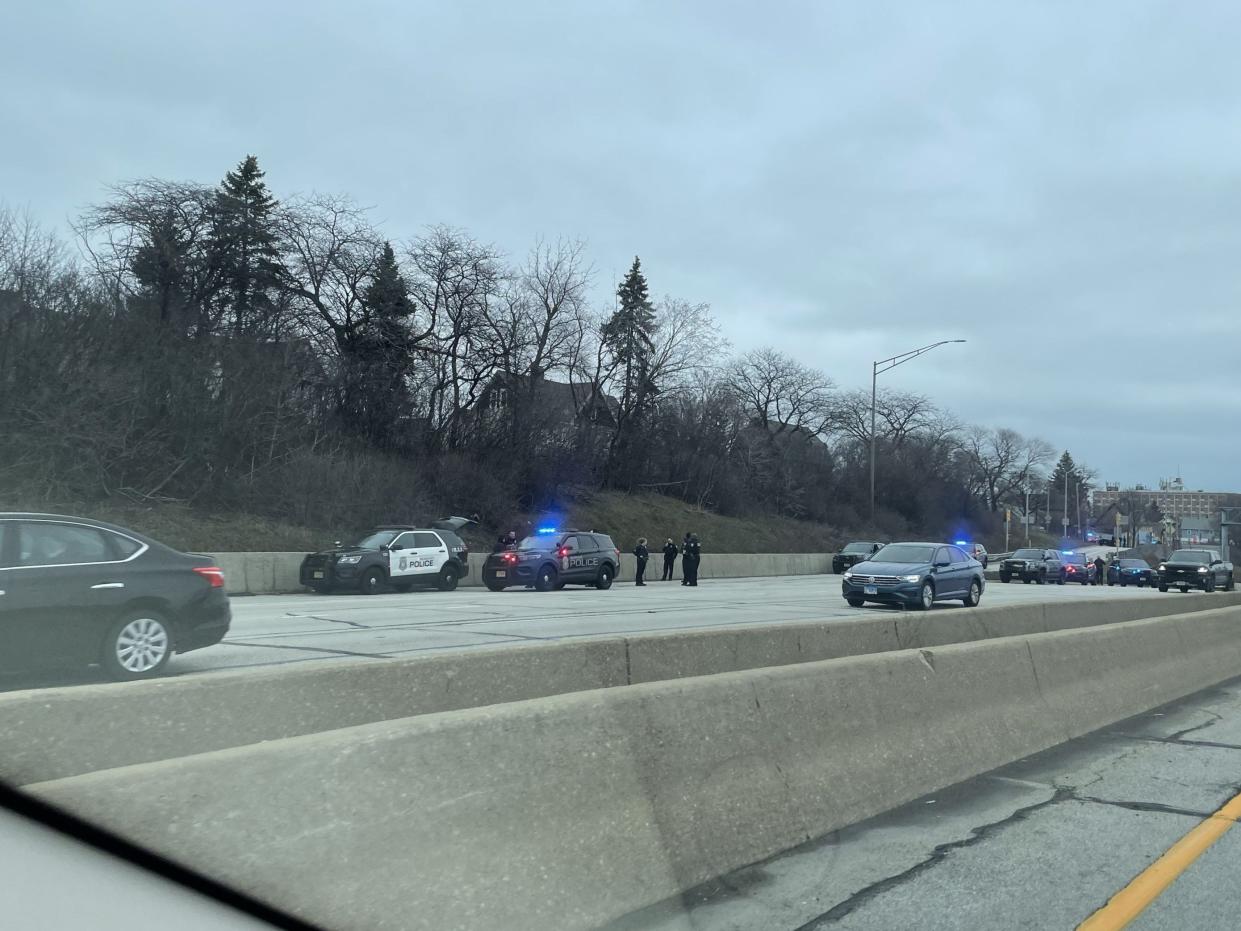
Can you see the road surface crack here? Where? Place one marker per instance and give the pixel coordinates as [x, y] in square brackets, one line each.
[977, 835]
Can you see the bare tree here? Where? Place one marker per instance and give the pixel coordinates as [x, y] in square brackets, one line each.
[1002, 461]
[780, 394]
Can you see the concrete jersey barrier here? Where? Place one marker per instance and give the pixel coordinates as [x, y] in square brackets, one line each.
[573, 810]
[277, 573]
[54, 733]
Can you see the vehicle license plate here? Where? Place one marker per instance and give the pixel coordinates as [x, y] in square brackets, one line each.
[500, 574]
[317, 574]
[870, 590]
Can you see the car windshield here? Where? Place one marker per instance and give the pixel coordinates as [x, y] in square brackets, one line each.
[904, 553]
[858, 548]
[1133, 564]
[374, 541]
[539, 541]
[1075, 559]
[1028, 554]
[1190, 556]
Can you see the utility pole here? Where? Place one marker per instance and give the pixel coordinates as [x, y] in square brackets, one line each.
[876, 369]
[1077, 498]
[1065, 522]
[1027, 519]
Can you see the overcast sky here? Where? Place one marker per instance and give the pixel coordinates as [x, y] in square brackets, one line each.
[1057, 183]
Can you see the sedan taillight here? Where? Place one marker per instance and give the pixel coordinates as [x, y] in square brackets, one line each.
[213, 574]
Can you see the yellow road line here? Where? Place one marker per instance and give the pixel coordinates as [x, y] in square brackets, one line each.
[1132, 900]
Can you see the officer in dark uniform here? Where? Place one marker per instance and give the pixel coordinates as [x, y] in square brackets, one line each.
[670, 559]
[690, 558]
[641, 554]
[1100, 570]
[507, 541]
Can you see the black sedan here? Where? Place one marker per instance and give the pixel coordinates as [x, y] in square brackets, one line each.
[915, 575]
[1138, 572]
[74, 592]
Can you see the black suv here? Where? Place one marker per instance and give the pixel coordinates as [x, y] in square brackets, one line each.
[553, 559]
[852, 554]
[399, 556]
[1186, 569]
[1033, 565]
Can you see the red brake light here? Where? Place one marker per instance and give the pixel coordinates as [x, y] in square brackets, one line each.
[213, 574]
[562, 552]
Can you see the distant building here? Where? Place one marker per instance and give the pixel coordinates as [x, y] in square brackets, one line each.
[1198, 531]
[1171, 497]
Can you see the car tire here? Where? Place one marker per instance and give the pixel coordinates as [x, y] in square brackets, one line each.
[1025, 580]
[1085, 581]
[1208, 584]
[974, 595]
[138, 646]
[448, 579]
[1004, 577]
[1042, 578]
[855, 602]
[546, 580]
[494, 586]
[1123, 583]
[372, 582]
[1163, 588]
[1060, 579]
[926, 597]
[604, 580]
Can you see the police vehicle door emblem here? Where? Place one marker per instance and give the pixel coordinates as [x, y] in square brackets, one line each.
[403, 564]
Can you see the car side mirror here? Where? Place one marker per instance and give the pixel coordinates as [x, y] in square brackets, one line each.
[1217, 562]
[941, 565]
[396, 546]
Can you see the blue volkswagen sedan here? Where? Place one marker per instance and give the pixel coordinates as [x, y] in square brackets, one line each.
[915, 575]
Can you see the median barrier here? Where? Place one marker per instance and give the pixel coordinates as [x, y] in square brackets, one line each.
[573, 810]
[50, 733]
[277, 573]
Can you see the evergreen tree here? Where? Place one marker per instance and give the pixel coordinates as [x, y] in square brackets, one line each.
[629, 337]
[247, 248]
[382, 352]
[1066, 466]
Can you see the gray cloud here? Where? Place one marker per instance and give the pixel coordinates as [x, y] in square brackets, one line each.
[1058, 183]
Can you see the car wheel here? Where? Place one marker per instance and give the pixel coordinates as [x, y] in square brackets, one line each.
[138, 646]
[604, 581]
[926, 597]
[973, 596]
[1025, 580]
[448, 579]
[1123, 583]
[855, 602]
[1208, 584]
[1004, 577]
[372, 582]
[493, 586]
[546, 579]
[1163, 588]
[1060, 579]
[1042, 578]
[1085, 581]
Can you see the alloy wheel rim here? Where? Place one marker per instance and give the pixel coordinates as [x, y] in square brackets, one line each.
[141, 645]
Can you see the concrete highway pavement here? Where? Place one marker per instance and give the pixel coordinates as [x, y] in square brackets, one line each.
[1042, 844]
[274, 630]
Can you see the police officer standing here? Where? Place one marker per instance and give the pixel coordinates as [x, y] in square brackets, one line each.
[507, 541]
[670, 558]
[691, 556]
[1100, 570]
[641, 554]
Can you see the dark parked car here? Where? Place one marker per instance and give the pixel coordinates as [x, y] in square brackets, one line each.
[1186, 569]
[852, 554]
[399, 556]
[553, 559]
[916, 575]
[75, 592]
[1077, 568]
[1033, 565]
[1131, 572]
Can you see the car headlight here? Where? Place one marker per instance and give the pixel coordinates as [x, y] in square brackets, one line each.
[348, 560]
[848, 573]
[1162, 567]
[1203, 569]
[911, 578]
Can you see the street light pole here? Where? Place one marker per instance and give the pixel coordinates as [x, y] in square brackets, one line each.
[876, 369]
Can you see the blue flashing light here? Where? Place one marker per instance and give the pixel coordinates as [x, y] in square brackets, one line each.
[546, 530]
[962, 543]
[1066, 552]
